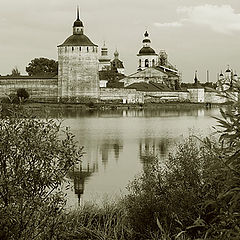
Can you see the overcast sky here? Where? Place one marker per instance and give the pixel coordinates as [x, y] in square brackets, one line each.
[197, 34]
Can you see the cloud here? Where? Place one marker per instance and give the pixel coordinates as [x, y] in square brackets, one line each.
[169, 24]
[222, 19]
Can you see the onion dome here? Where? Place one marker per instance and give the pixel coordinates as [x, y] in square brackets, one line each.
[228, 70]
[221, 75]
[116, 54]
[147, 51]
[146, 40]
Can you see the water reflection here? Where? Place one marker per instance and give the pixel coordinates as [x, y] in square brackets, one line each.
[119, 143]
[72, 111]
[80, 176]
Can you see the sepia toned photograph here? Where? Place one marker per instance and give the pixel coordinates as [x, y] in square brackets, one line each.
[119, 120]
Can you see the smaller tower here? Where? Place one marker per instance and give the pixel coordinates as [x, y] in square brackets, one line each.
[146, 56]
[78, 25]
[104, 59]
[228, 74]
[235, 76]
[163, 58]
[196, 82]
[117, 64]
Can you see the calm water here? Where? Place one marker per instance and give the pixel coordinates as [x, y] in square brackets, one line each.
[115, 143]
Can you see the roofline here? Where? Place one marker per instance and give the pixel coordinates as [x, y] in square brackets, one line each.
[142, 54]
[67, 45]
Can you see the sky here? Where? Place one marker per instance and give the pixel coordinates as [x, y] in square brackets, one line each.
[197, 35]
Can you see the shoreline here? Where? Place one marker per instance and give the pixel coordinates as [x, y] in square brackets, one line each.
[112, 106]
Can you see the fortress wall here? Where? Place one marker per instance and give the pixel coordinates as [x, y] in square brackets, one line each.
[38, 88]
[171, 95]
[125, 95]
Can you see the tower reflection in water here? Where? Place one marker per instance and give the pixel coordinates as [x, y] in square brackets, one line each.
[82, 172]
[80, 175]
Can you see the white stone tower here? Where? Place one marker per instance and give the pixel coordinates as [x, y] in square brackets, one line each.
[78, 65]
[104, 59]
[147, 56]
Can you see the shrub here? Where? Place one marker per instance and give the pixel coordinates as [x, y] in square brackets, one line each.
[170, 194]
[22, 94]
[33, 163]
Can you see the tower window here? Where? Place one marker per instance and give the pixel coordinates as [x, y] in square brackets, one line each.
[146, 63]
[80, 49]
[65, 49]
[93, 49]
[153, 62]
[140, 62]
[72, 48]
[87, 49]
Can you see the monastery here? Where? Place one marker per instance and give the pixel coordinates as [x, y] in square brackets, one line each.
[84, 73]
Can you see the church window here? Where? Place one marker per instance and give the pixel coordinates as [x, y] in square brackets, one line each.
[87, 49]
[65, 49]
[72, 48]
[146, 63]
[153, 62]
[80, 49]
[93, 49]
[140, 62]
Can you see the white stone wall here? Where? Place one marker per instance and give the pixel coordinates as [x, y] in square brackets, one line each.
[171, 95]
[78, 71]
[124, 95]
[196, 95]
[36, 87]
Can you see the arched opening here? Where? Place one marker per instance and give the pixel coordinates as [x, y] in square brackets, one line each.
[153, 62]
[140, 62]
[146, 63]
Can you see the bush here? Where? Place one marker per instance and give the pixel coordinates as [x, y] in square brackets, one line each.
[34, 161]
[170, 195]
[22, 94]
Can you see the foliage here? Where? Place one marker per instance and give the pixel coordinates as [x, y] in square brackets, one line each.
[94, 222]
[15, 72]
[42, 67]
[34, 160]
[22, 94]
[167, 195]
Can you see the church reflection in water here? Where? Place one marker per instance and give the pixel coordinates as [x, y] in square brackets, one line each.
[149, 148]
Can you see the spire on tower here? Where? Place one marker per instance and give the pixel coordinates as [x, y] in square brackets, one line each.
[78, 13]
[195, 78]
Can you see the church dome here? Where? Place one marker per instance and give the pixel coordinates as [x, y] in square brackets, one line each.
[147, 40]
[78, 23]
[228, 70]
[147, 51]
[78, 40]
